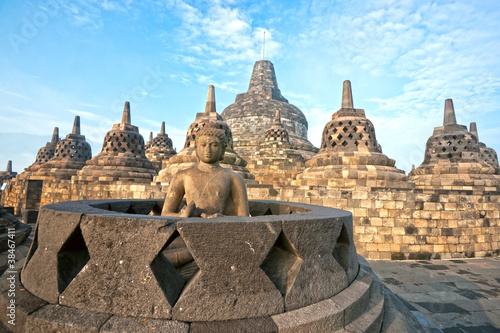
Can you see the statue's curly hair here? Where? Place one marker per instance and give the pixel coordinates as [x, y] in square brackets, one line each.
[211, 129]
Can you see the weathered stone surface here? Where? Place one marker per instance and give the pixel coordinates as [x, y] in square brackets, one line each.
[56, 318]
[230, 283]
[8, 221]
[25, 304]
[119, 324]
[251, 325]
[42, 272]
[324, 316]
[252, 113]
[126, 273]
[354, 300]
[371, 320]
[320, 276]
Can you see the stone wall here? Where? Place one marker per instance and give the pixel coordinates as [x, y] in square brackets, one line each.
[408, 223]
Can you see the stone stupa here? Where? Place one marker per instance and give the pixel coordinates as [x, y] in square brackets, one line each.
[350, 154]
[488, 155]
[276, 162]
[7, 174]
[252, 113]
[453, 159]
[160, 149]
[46, 152]
[186, 158]
[122, 158]
[70, 155]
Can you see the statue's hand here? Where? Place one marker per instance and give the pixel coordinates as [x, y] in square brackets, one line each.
[211, 216]
[190, 210]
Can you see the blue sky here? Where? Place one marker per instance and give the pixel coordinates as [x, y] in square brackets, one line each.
[62, 58]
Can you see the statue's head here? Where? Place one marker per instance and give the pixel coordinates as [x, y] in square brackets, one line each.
[210, 143]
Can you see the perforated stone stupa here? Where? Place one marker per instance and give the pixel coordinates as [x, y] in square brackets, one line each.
[488, 155]
[350, 151]
[252, 114]
[453, 159]
[70, 155]
[186, 158]
[275, 162]
[122, 158]
[7, 174]
[46, 152]
[160, 149]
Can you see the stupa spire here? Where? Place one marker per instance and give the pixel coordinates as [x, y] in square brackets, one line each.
[9, 167]
[76, 126]
[150, 136]
[210, 106]
[55, 136]
[473, 130]
[449, 113]
[347, 95]
[277, 118]
[162, 131]
[126, 114]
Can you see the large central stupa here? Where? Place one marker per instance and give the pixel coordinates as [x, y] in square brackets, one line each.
[252, 113]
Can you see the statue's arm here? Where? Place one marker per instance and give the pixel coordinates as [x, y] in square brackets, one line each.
[174, 196]
[239, 195]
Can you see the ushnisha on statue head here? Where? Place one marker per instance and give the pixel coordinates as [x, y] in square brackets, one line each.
[210, 189]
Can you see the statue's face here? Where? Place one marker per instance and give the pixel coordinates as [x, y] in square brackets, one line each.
[209, 149]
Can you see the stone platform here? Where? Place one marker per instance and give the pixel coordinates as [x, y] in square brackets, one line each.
[289, 268]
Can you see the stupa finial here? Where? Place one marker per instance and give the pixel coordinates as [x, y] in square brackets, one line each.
[347, 95]
[210, 106]
[150, 136]
[126, 114]
[55, 136]
[277, 118]
[162, 131]
[9, 167]
[76, 126]
[473, 130]
[449, 113]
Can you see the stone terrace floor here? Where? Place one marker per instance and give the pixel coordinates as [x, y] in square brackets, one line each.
[457, 295]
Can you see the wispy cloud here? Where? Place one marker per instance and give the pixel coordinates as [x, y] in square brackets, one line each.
[14, 94]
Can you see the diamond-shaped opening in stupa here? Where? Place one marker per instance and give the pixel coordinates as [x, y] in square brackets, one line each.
[282, 264]
[72, 257]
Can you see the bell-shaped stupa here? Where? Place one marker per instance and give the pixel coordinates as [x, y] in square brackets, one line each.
[453, 159]
[70, 155]
[488, 155]
[350, 151]
[122, 158]
[276, 163]
[7, 174]
[46, 152]
[252, 113]
[160, 149]
[187, 156]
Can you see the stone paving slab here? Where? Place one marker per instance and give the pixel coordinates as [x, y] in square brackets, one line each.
[457, 295]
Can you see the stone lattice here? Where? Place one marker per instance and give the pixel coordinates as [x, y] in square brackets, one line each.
[275, 162]
[160, 149]
[252, 114]
[453, 159]
[187, 157]
[46, 152]
[349, 150]
[122, 158]
[70, 155]
[488, 155]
